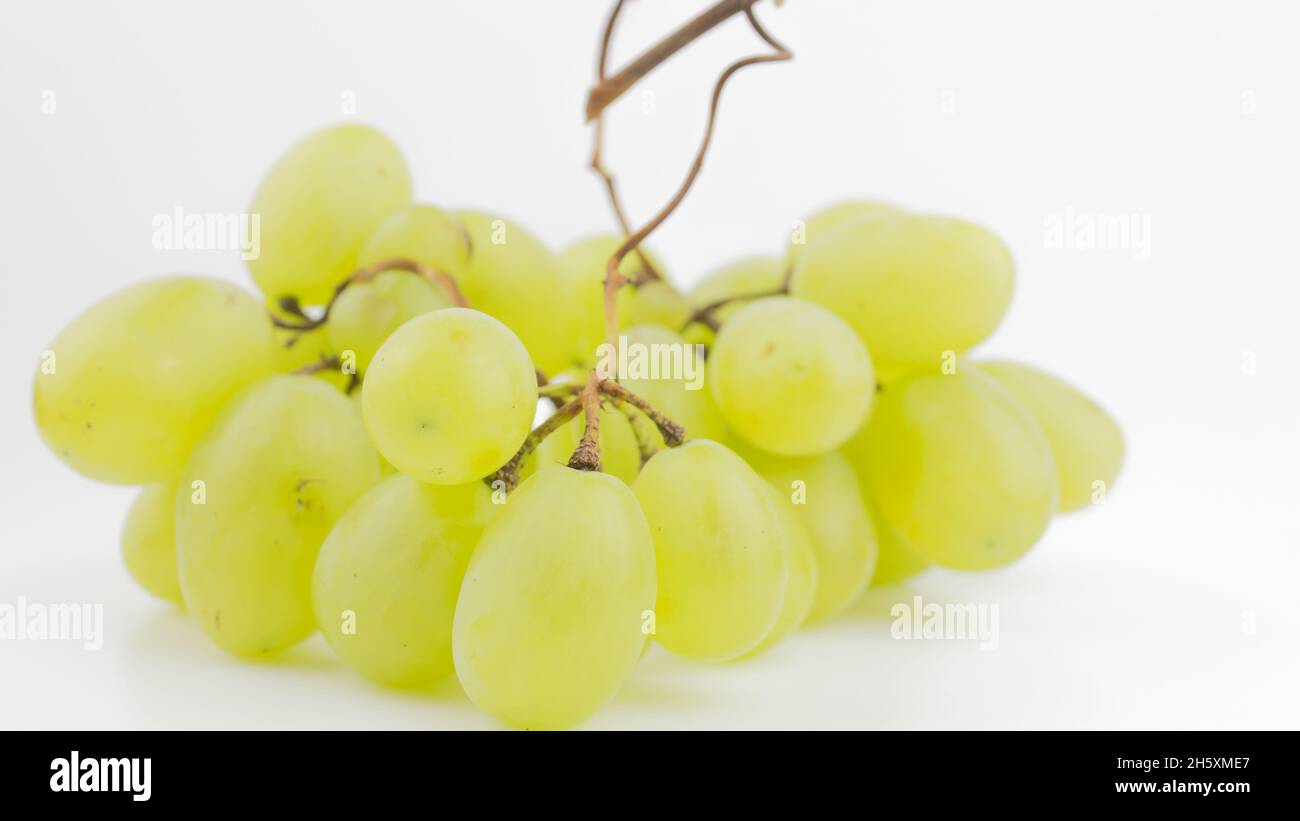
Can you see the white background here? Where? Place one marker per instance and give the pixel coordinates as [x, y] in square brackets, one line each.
[1176, 604]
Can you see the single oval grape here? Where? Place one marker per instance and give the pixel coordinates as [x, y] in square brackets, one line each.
[149, 542]
[720, 549]
[124, 392]
[260, 494]
[386, 581]
[824, 494]
[959, 469]
[790, 377]
[549, 620]
[916, 288]
[420, 233]
[514, 277]
[450, 396]
[833, 216]
[1087, 444]
[367, 313]
[318, 204]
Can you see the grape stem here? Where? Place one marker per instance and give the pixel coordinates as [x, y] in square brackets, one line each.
[508, 473]
[325, 363]
[609, 89]
[673, 433]
[435, 277]
[707, 314]
[645, 444]
[587, 454]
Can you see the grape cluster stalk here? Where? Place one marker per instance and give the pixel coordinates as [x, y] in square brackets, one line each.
[797, 427]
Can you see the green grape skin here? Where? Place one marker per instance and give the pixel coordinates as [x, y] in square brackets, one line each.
[1087, 444]
[959, 469]
[318, 204]
[583, 264]
[654, 303]
[801, 587]
[385, 467]
[833, 216]
[124, 392]
[720, 548]
[619, 454]
[747, 276]
[514, 277]
[386, 581]
[420, 233]
[450, 396]
[149, 542]
[824, 494]
[684, 400]
[895, 561]
[367, 313]
[916, 288]
[790, 377]
[261, 492]
[549, 620]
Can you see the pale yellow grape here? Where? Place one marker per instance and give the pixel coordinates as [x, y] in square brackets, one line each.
[549, 620]
[1087, 444]
[149, 541]
[833, 216]
[801, 587]
[420, 233]
[896, 561]
[514, 277]
[583, 264]
[748, 276]
[916, 288]
[450, 396]
[385, 585]
[790, 377]
[367, 313]
[824, 494]
[318, 204]
[672, 375]
[124, 392]
[619, 454]
[720, 548]
[959, 469]
[258, 497]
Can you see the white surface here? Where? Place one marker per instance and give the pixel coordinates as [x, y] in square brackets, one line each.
[1175, 605]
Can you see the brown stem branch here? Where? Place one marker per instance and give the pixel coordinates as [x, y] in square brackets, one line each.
[435, 277]
[325, 363]
[636, 420]
[707, 314]
[587, 455]
[673, 433]
[509, 472]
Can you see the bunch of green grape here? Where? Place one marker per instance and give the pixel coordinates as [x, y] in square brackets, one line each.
[354, 451]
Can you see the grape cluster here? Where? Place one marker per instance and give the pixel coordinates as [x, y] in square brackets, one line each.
[354, 451]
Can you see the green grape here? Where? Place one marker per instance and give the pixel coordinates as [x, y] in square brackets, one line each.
[801, 589]
[897, 561]
[367, 313]
[583, 264]
[317, 206]
[619, 454]
[421, 233]
[124, 392]
[654, 303]
[149, 541]
[517, 279]
[824, 494]
[549, 620]
[916, 288]
[1086, 442]
[386, 581]
[679, 390]
[959, 469]
[790, 377]
[720, 548]
[450, 396]
[385, 467]
[261, 492]
[758, 274]
[833, 216]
